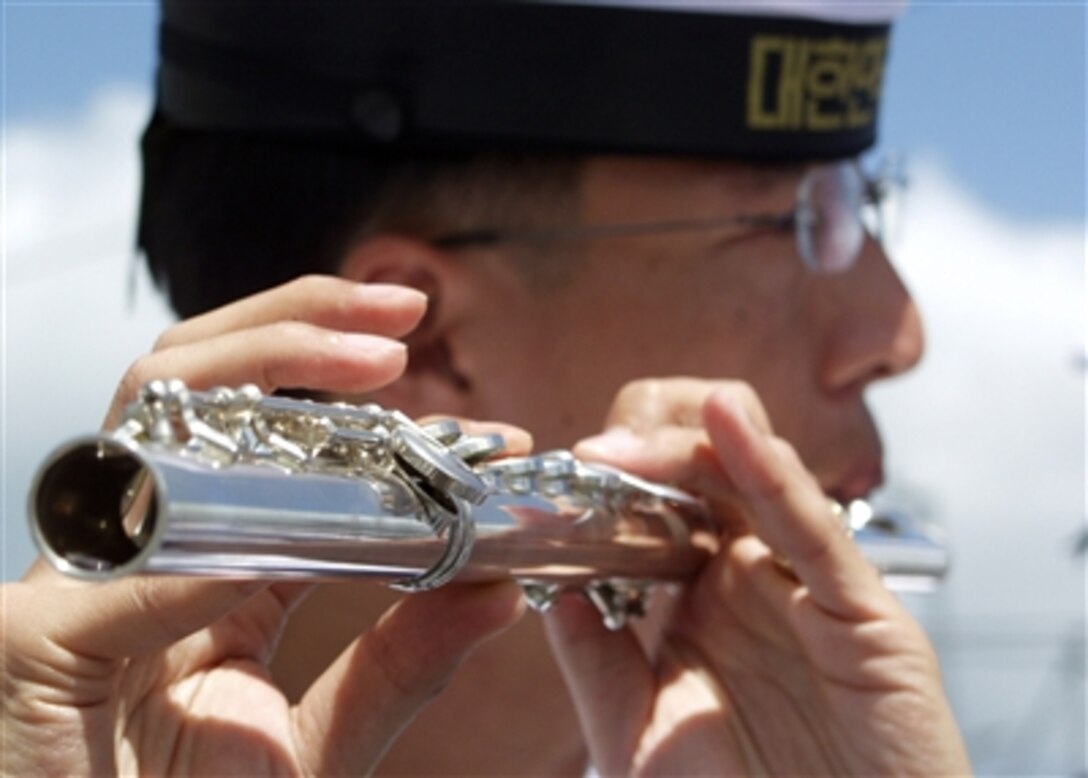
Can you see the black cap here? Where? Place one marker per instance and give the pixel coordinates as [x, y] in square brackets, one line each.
[709, 78]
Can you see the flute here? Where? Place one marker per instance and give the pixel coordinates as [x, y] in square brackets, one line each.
[232, 483]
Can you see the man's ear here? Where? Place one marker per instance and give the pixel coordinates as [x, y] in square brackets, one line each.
[433, 382]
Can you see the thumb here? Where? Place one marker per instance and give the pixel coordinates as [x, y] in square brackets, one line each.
[610, 680]
[127, 617]
[358, 707]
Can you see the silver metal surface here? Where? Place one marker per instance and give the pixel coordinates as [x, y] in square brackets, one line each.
[231, 483]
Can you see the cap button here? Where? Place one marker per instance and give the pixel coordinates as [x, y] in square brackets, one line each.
[379, 114]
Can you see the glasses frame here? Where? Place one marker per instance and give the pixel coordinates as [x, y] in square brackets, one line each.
[874, 190]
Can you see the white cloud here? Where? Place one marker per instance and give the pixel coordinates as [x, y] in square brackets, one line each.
[65, 179]
[988, 435]
[70, 327]
[991, 427]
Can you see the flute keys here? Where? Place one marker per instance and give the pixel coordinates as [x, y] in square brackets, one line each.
[445, 431]
[473, 449]
[541, 597]
[441, 470]
[618, 601]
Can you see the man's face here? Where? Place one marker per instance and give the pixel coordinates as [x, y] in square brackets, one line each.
[734, 304]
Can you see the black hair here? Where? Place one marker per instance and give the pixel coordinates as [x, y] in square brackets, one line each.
[226, 214]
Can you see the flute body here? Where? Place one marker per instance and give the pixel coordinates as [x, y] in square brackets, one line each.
[230, 483]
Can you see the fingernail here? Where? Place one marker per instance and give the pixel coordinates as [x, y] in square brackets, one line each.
[372, 344]
[612, 442]
[734, 404]
[744, 416]
[391, 293]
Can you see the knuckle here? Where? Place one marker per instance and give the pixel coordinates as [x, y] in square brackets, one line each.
[743, 391]
[789, 470]
[657, 401]
[285, 350]
[170, 337]
[290, 332]
[404, 679]
[146, 597]
[785, 452]
[634, 402]
[775, 473]
[794, 467]
[312, 285]
[747, 398]
[773, 489]
[138, 373]
[640, 393]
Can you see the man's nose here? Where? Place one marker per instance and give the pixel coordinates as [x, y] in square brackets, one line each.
[876, 328]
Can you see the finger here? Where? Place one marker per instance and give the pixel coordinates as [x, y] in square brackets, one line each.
[325, 301]
[41, 571]
[285, 355]
[354, 711]
[255, 627]
[656, 430]
[516, 441]
[250, 631]
[676, 455]
[748, 593]
[609, 679]
[679, 456]
[878, 653]
[275, 356]
[653, 403]
[785, 507]
[128, 618]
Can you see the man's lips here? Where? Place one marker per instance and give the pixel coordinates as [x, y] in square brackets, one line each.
[858, 482]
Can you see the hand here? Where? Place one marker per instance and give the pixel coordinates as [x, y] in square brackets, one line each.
[317, 332]
[787, 655]
[156, 676]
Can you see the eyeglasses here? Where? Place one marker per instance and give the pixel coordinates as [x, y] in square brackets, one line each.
[835, 206]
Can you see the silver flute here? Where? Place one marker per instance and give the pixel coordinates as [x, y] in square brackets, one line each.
[236, 484]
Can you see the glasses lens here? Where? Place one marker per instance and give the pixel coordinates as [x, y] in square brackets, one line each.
[829, 227]
[882, 211]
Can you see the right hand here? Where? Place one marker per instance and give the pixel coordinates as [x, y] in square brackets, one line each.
[786, 655]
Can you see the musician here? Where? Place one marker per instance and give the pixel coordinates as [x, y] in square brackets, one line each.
[631, 226]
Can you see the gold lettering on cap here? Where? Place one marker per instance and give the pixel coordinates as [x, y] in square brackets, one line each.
[816, 84]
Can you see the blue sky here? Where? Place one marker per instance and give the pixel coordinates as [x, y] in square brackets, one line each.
[987, 437]
[996, 90]
[57, 54]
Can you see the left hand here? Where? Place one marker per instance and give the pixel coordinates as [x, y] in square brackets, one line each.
[786, 655]
[168, 676]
